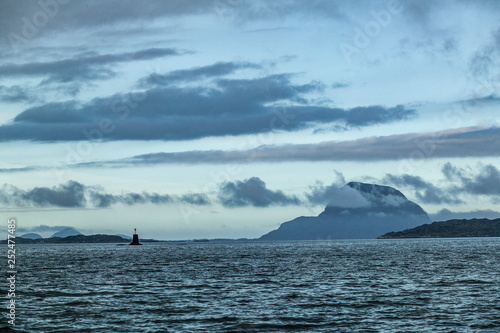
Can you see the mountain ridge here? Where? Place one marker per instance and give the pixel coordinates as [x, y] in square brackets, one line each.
[456, 228]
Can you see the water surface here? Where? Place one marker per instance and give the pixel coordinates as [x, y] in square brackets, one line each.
[430, 285]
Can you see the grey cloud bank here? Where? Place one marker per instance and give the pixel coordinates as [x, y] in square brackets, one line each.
[426, 192]
[465, 142]
[203, 72]
[84, 67]
[234, 107]
[253, 192]
[76, 195]
[458, 186]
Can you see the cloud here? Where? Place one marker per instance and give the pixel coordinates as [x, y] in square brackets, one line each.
[485, 182]
[125, 16]
[460, 183]
[252, 192]
[426, 192]
[462, 142]
[248, 10]
[70, 194]
[446, 214]
[362, 116]
[484, 68]
[102, 200]
[336, 195]
[216, 70]
[105, 200]
[84, 67]
[486, 59]
[233, 107]
[195, 199]
[75, 15]
[15, 94]
[76, 195]
[43, 228]
[337, 85]
[51, 113]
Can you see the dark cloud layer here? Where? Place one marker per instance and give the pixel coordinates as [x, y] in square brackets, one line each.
[233, 107]
[76, 195]
[66, 195]
[16, 93]
[75, 15]
[464, 142]
[216, 70]
[457, 188]
[253, 192]
[425, 192]
[84, 67]
[485, 182]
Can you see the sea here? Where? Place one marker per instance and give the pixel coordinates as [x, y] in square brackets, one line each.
[410, 285]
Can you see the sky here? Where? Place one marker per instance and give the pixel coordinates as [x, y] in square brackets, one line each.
[194, 119]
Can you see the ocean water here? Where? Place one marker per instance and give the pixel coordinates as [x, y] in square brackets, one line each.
[429, 285]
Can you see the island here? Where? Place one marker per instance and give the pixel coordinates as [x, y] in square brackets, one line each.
[450, 229]
[100, 238]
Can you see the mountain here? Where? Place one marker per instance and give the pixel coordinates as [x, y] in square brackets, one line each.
[451, 228]
[66, 232]
[91, 239]
[361, 211]
[31, 235]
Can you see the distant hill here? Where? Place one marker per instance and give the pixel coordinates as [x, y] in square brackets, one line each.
[366, 212]
[451, 228]
[66, 232]
[73, 239]
[99, 238]
[91, 239]
[31, 235]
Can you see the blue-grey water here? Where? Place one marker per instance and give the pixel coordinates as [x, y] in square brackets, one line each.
[430, 285]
